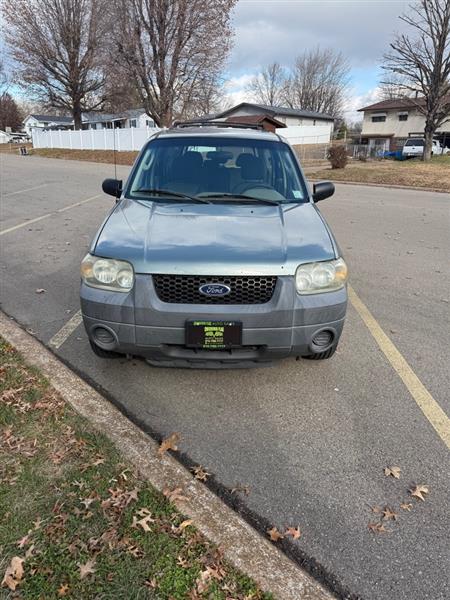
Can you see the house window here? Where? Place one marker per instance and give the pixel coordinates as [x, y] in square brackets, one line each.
[378, 118]
[133, 123]
[403, 117]
[149, 123]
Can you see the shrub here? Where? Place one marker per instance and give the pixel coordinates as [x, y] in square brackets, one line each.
[337, 155]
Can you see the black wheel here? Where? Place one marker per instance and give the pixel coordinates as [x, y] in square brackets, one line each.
[103, 353]
[321, 355]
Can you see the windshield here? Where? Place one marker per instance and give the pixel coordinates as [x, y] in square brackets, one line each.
[209, 166]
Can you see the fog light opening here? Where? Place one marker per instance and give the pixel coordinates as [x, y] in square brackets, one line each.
[323, 338]
[104, 338]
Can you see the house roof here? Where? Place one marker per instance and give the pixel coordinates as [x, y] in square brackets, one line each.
[98, 117]
[251, 119]
[51, 118]
[279, 110]
[398, 103]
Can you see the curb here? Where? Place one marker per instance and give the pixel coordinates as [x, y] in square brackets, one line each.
[243, 547]
[385, 185]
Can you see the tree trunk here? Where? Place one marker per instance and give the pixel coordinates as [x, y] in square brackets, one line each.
[76, 113]
[428, 143]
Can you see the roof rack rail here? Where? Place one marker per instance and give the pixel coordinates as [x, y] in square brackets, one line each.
[182, 124]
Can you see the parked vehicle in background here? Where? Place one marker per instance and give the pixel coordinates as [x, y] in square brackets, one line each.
[414, 147]
[215, 255]
[18, 137]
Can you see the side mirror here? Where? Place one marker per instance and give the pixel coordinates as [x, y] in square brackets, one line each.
[322, 190]
[113, 187]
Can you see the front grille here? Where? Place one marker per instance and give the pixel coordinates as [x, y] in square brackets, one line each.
[184, 289]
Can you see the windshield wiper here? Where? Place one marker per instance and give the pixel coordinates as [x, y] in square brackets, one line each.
[174, 195]
[241, 197]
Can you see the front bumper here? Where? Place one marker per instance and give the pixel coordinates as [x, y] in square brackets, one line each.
[139, 323]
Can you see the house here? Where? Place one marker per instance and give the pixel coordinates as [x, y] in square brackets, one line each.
[298, 126]
[135, 117]
[266, 121]
[389, 123]
[291, 117]
[46, 122]
[91, 120]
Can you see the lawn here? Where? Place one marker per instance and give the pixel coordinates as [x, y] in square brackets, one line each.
[77, 522]
[100, 156]
[411, 173]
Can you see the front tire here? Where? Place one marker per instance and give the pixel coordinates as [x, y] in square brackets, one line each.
[322, 355]
[103, 353]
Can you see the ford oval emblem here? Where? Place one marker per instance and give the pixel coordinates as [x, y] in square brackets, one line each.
[214, 290]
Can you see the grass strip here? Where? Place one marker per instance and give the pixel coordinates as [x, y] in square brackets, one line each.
[78, 522]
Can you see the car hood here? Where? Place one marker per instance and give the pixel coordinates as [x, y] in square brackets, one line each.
[219, 239]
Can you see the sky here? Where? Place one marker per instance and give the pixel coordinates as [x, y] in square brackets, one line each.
[279, 30]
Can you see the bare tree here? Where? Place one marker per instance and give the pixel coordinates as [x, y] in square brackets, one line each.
[268, 86]
[423, 60]
[204, 99]
[10, 114]
[392, 88]
[319, 82]
[57, 48]
[171, 47]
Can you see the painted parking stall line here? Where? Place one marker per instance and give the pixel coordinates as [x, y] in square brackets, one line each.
[428, 405]
[36, 187]
[66, 331]
[47, 215]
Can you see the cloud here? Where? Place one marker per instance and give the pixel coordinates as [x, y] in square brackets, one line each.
[278, 30]
[357, 101]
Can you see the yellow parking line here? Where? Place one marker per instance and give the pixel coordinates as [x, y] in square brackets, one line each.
[430, 408]
[55, 212]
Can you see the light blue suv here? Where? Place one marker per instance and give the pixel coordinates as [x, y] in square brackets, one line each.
[215, 255]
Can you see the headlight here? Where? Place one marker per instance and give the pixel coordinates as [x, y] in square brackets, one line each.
[107, 273]
[318, 277]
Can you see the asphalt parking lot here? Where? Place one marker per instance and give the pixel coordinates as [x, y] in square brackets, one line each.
[309, 439]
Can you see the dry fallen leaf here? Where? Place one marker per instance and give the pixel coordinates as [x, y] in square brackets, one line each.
[185, 524]
[274, 534]
[244, 489]
[200, 473]
[24, 541]
[294, 532]
[182, 562]
[87, 568]
[63, 589]
[375, 509]
[174, 495]
[406, 506]
[14, 573]
[144, 522]
[377, 528]
[393, 471]
[169, 443]
[389, 514]
[419, 491]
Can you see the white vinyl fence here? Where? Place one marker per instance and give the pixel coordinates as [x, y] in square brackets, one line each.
[134, 138]
[297, 135]
[94, 139]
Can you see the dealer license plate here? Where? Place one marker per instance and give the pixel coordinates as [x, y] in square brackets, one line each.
[213, 335]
